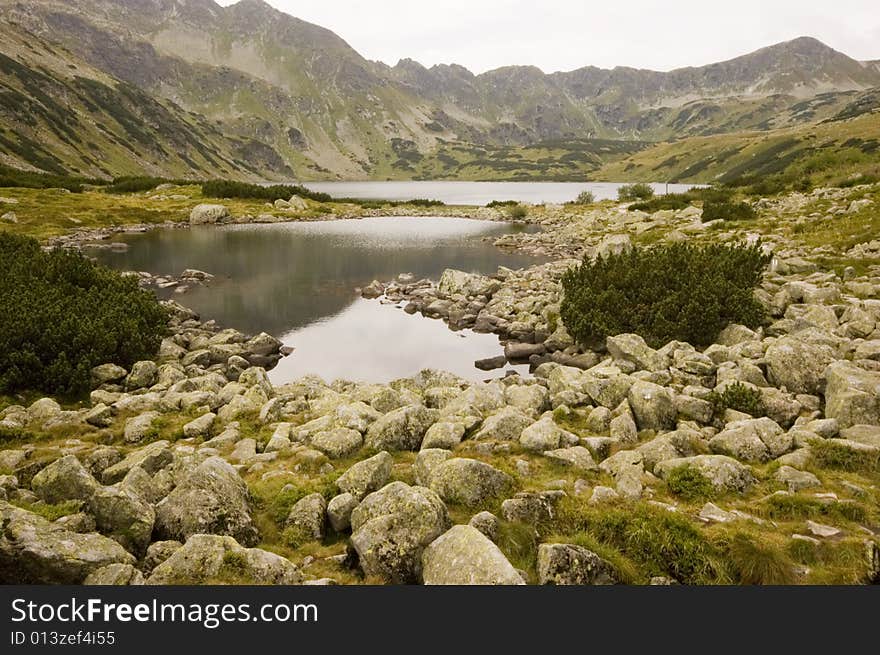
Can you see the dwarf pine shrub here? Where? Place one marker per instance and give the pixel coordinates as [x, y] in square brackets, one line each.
[640, 191]
[61, 315]
[671, 292]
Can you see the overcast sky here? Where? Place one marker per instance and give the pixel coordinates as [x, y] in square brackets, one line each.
[567, 34]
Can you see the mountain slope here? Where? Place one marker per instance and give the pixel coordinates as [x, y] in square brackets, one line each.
[284, 90]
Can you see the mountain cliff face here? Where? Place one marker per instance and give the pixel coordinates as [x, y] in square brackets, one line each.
[280, 97]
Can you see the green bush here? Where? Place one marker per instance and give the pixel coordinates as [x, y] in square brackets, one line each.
[61, 315]
[671, 292]
[518, 212]
[741, 398]
[630, 192]
[728, 211]
[585, 198]
[13, 177]
[689, 484]
[502, 203]
[231, 189]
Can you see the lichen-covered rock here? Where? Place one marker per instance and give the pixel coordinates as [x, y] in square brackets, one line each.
[653, 406]
[211, 499]
[752, 440]
[124, 517]
[532, 399]
[465, 556]
[852, 395]
[205, 213]
[724, 473]
[797, 365]
[578, 457]
[796, 480]
[338, 442]
[308, 517]
[392, 526]
[527, 507]
[143, 374]
[152, 458]
[115, 575]
[569, 564]
[369, 475]
[504, 425]
[401, 429]
[468, 481]
[64, 479]
[339, 511]
[632, 348]
[545, 435]
[199, 427]
[158, 552]
[206, 559]
[140, 427]
[445, 434]
[33, 550]
[487, 523]
[427, 461]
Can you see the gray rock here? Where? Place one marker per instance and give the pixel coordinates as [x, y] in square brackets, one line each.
[64, 479]
[143, 374]
[487, 523]
[545, 435]
[200, 427]
[124, 517]
[115, 575]
[339, 511]
[526, 507]
[152, 458]
[205, 213]
[796, 480]
[35, 551]
[578, 457]
[367, 476]
[338, 442]
[465, 556]
[852, 395]
[207, 558]
[401, 429]
[797, 365]
[158, 552]
[445, 434]
[725, 473]
[211, 499]
[653, 406]
[308, 517]
[392, 526]
[632, 348]
[107, 373]
[141, 427]
[569, 564]
[752, 440]
[427, 461]
[468, 481]
[504, 425]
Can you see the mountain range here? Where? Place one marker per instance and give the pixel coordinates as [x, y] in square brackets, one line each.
[190, 88]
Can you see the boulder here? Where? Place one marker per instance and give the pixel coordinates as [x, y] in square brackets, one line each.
[852, 395]
[797, 365]
[151, 458]
[504, 425]
[465, 556]
[401, 429]
[752, 440]
[200, 427]
[308, 517]
[158, 552]
[204, 213]
[338, 442]
[64, 479]
[115, 575]
[123, 516]
[545, 435]
[206, 559]
[35, 551]
[569, 564]
[105, 373]
[143, 374]
[427, 461]
[211, 499]
[140, 427]
[339, 511]
[796, 480]
[453, 282]
[653, 406]
[724, 473]
[487, 523]
[632, 348]
[366, 476]
[468, 481]
[577, 457]
[444, 434]
[392, 526]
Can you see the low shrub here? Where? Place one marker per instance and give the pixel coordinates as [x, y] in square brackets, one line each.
[729, 211]
[518, 212]
[689, 484]
[231, 189]
[13, 177]
[585, 198]
[739, 397]
[502, 203]
[61, 315]
[671, 292]
[137, 184]
[630, 192]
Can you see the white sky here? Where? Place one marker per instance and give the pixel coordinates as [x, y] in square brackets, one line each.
[567, 34]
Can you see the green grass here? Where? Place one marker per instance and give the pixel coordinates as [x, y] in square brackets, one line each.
[689, 484]
[51, 512]
[829, 454]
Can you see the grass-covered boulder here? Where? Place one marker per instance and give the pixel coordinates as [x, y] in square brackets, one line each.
[669, 292]
[61, 315]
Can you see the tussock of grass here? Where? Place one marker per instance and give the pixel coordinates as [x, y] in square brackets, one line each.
[51, 512]
[689, 484]
[755, 562]
[829, 454]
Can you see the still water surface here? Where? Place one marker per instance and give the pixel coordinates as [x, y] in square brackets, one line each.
[297, 281]
[479, 193]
